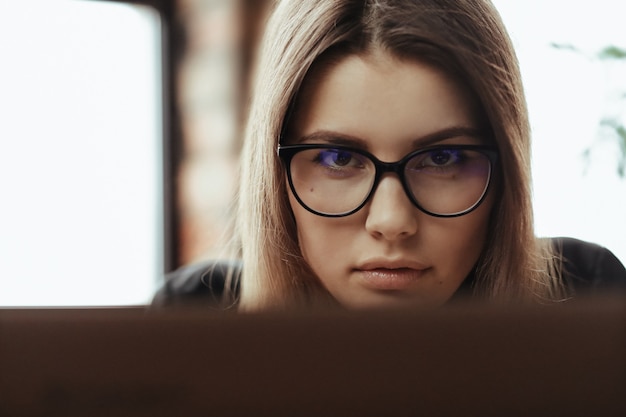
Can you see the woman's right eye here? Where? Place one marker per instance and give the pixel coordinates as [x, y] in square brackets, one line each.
[337, 158]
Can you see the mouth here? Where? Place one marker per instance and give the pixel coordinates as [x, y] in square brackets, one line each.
[390, 276]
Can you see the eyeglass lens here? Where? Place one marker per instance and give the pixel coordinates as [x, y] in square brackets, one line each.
[441, 181]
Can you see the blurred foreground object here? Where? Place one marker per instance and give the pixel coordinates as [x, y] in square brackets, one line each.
[496, 361]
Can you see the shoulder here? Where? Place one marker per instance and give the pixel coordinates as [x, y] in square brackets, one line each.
[588, 267]
[213, 283]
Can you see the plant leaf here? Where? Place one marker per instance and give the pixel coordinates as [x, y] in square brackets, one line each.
[564, 46]
[612, 52]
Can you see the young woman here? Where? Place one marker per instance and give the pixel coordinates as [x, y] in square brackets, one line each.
[387, 162]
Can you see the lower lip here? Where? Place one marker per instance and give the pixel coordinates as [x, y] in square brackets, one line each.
[391, 279]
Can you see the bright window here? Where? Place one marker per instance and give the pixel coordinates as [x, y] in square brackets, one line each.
[569, 93]
[80, 153]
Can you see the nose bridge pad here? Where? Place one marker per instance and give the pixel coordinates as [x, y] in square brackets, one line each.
[400, 183]
[396, 168]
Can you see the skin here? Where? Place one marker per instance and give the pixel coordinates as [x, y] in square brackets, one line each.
[388, 254]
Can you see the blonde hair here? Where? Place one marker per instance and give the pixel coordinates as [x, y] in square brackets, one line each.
[465, 38]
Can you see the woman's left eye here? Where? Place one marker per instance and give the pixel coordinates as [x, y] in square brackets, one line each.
[443, 157]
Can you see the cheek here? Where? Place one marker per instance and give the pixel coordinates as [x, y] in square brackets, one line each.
[304, 225]
[323, 241]
[310, 229]
[465, 238]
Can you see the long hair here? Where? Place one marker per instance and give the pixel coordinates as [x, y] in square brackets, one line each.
[466, 39]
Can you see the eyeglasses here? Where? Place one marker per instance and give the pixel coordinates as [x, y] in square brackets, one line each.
[336, 181]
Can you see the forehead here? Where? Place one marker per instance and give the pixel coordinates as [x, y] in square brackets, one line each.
[377, 95]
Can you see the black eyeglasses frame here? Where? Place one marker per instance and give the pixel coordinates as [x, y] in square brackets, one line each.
[287, 152]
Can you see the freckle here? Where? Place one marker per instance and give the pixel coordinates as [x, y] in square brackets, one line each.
[312, 190]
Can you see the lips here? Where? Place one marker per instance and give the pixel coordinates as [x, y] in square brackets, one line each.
[390, 275]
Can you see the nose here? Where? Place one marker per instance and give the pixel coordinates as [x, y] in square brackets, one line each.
[391, 215]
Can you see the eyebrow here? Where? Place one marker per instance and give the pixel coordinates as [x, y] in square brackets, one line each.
[336, 138]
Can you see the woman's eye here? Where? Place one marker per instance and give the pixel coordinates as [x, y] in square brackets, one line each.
[335, 158]
[442, 157]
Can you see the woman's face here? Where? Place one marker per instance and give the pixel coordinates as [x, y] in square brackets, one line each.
[389, 253]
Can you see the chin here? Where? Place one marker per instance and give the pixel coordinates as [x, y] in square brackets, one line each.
[389, 300]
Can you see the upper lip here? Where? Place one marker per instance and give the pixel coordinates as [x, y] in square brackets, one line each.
[383, 263]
